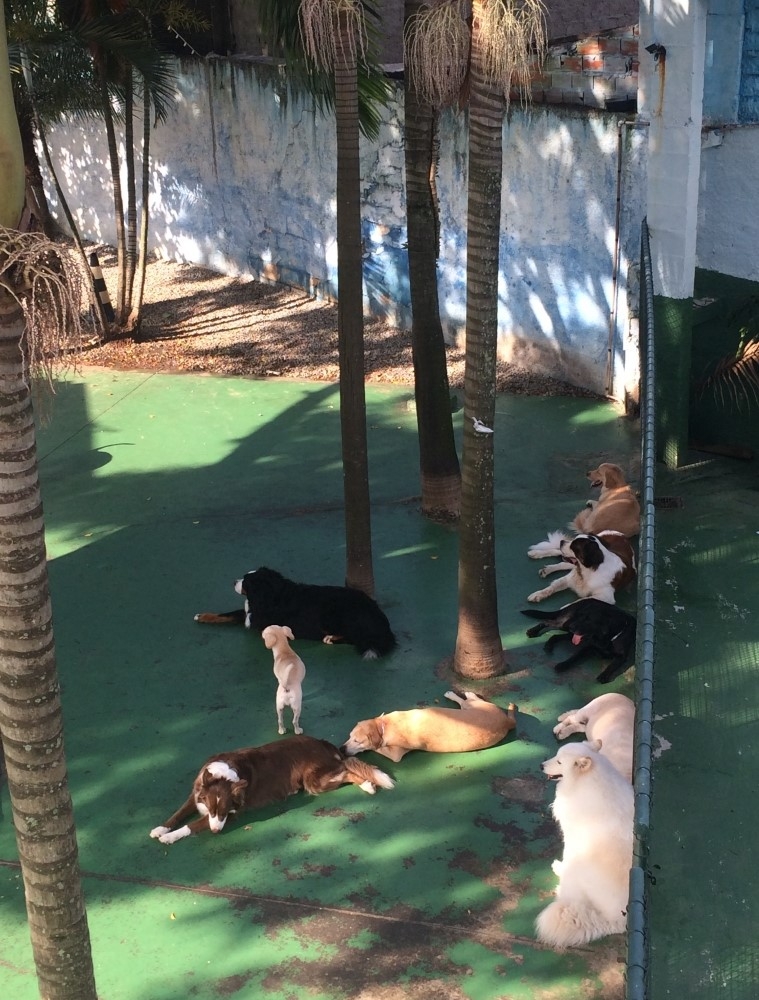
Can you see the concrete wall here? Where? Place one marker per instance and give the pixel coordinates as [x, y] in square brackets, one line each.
[243, 182]
[727, 224]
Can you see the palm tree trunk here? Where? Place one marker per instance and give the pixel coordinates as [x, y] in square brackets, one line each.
[479, 652]
[359, 571]
[118, 203]
[438, 461]
[31, 732]
[135, 317]
[30, 709]
[131, 213]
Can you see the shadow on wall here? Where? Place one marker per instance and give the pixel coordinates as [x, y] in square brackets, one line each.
[243, 183]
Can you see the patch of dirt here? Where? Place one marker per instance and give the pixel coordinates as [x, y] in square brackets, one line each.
[197, 320]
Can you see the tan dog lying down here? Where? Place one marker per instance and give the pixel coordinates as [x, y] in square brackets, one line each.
[617, 506]
[476, 725]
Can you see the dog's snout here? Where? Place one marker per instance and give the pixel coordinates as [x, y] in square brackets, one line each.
[344, 749]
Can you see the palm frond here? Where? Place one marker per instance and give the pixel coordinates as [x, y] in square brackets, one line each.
[278, 20]
[735, 377]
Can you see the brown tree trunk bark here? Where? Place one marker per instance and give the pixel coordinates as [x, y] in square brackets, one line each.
[30, 710]
[479, 652]
[438, 460]
[359, 571]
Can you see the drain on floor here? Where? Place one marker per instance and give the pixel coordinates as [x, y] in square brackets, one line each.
[668, 503]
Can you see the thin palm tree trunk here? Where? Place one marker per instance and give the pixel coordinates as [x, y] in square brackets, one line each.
[359, 571]
[118, 203]
[438, 461]
[131, 213]
[479, 652]
[135, 317]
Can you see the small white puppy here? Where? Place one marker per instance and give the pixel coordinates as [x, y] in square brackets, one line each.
[609, 718]
[289, 670]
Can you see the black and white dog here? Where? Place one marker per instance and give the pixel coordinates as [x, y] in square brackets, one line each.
[312, 611]
[599, 565]
[593, 626]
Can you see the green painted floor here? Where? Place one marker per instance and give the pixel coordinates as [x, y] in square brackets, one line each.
[704, 903]
[159, 491]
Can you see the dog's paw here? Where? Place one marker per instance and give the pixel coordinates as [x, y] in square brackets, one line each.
[172, 836]
[298, 730]
[158, 831]
[368, 786]
[564, 729]
[543, 572]
[329, 640]
[281, 730]
[556, 867]
[539, 595]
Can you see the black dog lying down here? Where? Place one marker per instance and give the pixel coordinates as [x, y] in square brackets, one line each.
[327, 614]
[593, 627]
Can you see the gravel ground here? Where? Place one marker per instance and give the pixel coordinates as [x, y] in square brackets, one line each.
[197, 320]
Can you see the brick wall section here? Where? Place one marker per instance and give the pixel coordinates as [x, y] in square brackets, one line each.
[589, 71]
[595, 62]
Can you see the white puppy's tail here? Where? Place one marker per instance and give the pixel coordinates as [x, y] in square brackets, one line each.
[367, 777]
[550, 547]
[570, 924]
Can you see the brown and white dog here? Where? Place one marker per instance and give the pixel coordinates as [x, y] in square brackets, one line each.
[610, 718]
[617, 506]
[476, 725]
[257, 776]
[289, 670]
[598, 565]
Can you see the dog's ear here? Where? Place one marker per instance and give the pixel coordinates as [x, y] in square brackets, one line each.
[588, 550]
[595, 745]
[268, 637]
[612, 475]
[288, 631]
[583, 764]
[374, 733]
[238, 791]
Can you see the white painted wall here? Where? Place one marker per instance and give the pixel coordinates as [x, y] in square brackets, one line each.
[727, 221]
[671, 90]
[243, 182]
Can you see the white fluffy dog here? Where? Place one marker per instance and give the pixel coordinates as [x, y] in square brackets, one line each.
[609, 718]
[289, 670]
[594, 808]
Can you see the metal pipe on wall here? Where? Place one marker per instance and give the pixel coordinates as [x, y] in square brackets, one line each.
[623, 123]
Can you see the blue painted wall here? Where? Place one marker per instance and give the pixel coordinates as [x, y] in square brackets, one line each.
[748, 107]
[243, 182]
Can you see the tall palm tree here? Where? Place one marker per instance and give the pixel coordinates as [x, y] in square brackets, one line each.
[438, 461]
[335, 36]
[504, 36]
[30, 710]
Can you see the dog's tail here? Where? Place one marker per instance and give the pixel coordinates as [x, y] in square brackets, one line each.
[368, 777]
[568, 924]
[378, 642]
[536, 613]
[550, 547]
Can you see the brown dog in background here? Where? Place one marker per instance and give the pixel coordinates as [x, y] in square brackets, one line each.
[617, 507]
[476, 725]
